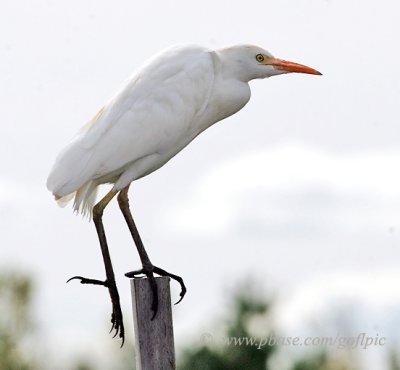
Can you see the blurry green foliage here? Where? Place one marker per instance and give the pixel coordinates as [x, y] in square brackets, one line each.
[314, 362]
[394, 360]
[245, 308]
[17, 326]
[322, 361]
[15, 320]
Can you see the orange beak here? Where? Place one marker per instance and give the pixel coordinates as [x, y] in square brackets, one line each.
[284, 65]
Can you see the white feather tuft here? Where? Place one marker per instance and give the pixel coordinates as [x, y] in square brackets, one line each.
[85, 199]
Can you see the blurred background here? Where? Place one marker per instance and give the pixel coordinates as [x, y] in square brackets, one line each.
[283, 219]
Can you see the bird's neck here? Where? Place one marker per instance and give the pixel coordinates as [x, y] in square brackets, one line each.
[232, 67]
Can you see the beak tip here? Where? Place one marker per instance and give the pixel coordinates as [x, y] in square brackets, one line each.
[284, 65]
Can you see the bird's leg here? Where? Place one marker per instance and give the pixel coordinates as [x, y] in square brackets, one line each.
[116, 317]
[148, 268]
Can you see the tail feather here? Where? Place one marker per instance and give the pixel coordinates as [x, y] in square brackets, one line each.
[85, 199]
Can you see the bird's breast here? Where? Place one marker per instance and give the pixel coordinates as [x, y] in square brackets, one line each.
[227, 98]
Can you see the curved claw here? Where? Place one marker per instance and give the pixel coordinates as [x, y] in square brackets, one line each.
[112, 323]
[73, 278]
[116, 332]
[183, 291]
[180, 299]
[84, 280]
[118, 327]
[132, 274]
[162, 272]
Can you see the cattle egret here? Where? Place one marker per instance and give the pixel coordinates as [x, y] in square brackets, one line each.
[170, 100]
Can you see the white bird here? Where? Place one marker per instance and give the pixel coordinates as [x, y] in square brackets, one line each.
[171, 99]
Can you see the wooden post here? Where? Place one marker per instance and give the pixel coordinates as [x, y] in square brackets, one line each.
[154, 339]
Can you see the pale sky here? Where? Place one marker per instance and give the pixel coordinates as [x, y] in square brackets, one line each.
[300, 189]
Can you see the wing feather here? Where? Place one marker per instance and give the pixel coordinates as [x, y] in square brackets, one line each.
[151, 114]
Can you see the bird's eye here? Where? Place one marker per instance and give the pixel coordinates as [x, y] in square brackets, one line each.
[260, 58]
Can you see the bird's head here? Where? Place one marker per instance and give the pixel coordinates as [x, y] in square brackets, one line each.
[247, 62]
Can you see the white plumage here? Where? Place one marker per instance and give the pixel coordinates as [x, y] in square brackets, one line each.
[175, 96]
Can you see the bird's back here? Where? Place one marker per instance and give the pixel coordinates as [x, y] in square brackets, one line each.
[150, 117]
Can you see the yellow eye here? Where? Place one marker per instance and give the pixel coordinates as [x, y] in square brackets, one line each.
[260, 58]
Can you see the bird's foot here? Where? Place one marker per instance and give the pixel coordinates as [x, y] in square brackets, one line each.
[117, 323]
[149, 270]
